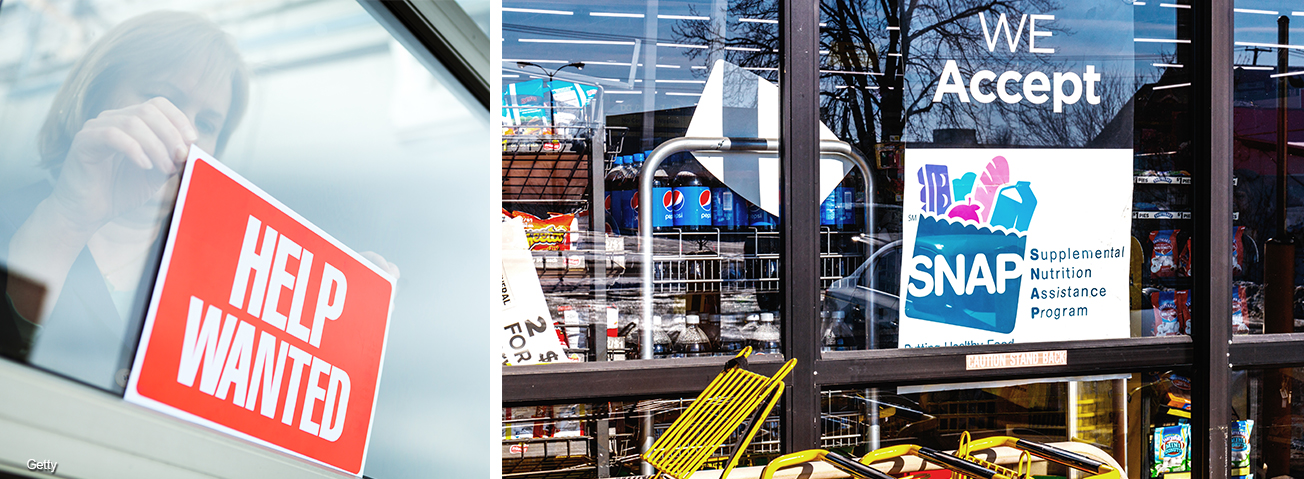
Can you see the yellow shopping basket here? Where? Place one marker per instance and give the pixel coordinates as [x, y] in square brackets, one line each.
[733, 396]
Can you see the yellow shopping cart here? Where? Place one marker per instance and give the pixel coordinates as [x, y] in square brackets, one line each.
[732, 397]
[963, 463]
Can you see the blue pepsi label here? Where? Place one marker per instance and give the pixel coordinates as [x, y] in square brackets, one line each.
[618, 200]
[662, 214]
[692, 206]
[831, 209]
[845, 198]
[613, 214]
[759, 217]
[723, 212]
[629, 211]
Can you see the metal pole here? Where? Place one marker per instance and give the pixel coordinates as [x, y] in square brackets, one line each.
[1211, 135]
[1279, 279]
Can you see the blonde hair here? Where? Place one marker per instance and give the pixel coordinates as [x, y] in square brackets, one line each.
[141, 47]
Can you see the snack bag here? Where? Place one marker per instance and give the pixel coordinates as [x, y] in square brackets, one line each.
[568, 422]
[1183, 301]
[1238, 250]
[1240, 445]
[1239, 304]
[1184, 261]
[1161, 256]
[1166, 321]
[552, 234]
[524, 429]
[1172, 449]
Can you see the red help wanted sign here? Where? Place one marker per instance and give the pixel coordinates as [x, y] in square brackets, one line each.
[261, 325]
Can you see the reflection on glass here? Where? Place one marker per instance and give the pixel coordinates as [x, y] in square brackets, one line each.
[1269, 420]
[342, 125]
[566, 440]
[113, 144]
[1113, 419]
[601, 106]
[1266, 204]
[965, 75]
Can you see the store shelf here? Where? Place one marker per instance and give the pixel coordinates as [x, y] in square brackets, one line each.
[1171, 215]
[538, 175]
[1162, 180]
[1161, 215]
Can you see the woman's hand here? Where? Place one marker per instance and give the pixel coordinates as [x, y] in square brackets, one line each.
[119, 160]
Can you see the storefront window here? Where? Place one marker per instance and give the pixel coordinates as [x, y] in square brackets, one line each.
[1118, 420]
[1030, 168]
[592, 95]
[1267, 410]
[578, 440]
[1266, 194]
[315, 103]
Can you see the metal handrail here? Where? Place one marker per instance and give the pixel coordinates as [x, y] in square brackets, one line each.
[677, 145]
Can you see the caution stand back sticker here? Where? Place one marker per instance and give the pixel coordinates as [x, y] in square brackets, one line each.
[261, 325]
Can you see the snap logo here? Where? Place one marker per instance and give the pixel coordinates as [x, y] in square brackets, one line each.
[970, 239]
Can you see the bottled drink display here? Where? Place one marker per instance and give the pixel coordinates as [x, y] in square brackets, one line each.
[761, 219]
[693, 341]
[676, 326]
[849, 209]
[663, 196]
[660, 340]
[831, 209]
[766, 337]
[692, 201]
[612, 199]
[838, 335]
[629, 211]
[732, 339]
[749, 327]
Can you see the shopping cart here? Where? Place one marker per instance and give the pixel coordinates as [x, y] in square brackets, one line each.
[963, 463]
[735, 395]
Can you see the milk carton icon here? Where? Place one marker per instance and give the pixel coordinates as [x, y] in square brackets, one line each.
[1014, 207]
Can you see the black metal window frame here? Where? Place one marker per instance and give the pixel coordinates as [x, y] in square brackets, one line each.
[1209, 354]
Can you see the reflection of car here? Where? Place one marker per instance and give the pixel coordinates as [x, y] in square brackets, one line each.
[871, 289]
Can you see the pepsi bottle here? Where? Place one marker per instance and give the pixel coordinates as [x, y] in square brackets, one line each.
[612, 197]
[831, 209]
[760, 219]
[629, 214]
[692, 201]
[850, 209]
[663, 195]
[724, 211]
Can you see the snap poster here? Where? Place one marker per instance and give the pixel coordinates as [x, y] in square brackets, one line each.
[1013, 245]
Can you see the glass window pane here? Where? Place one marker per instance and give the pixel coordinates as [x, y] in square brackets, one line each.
[593, 93]
[315, 103]
[1266, 192]
[1028, 172]
[1115, 419]
[562, 440]
[1267, 410]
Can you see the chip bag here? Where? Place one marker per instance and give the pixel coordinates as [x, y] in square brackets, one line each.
[1162, 263]
[1167, 320]
[1172, 449]
[1240, 445]
[552, 234]
[1238, 251]
[1239, 306]
[1184, 260]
